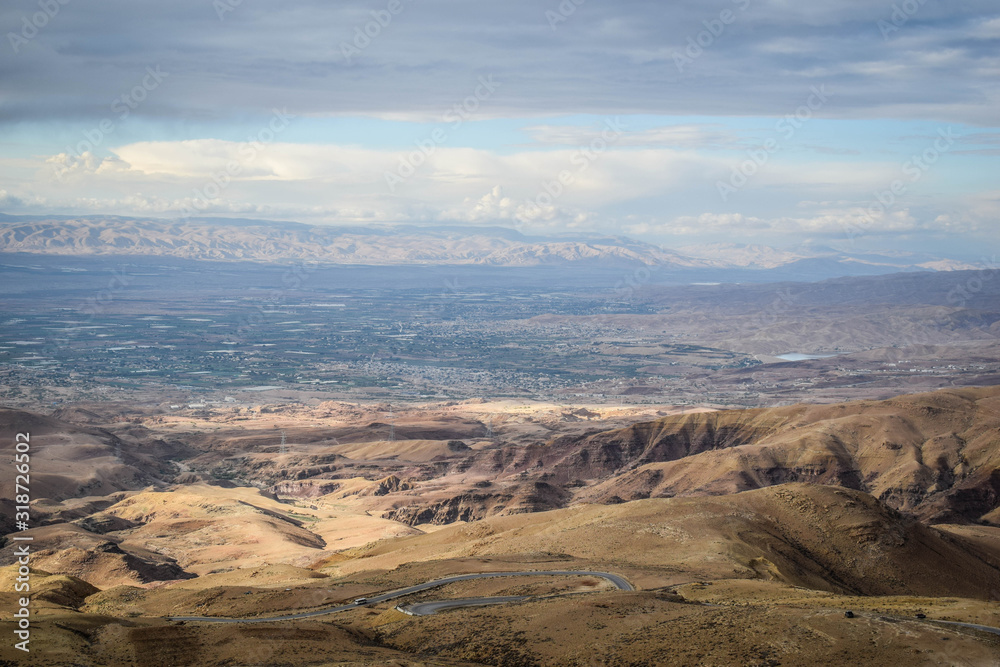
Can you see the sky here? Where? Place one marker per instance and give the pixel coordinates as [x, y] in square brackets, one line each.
[751, 121]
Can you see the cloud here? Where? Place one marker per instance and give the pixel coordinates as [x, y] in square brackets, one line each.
[8, 200]
[670, 191]
[65, 165]
[978, 216]
[491, 207]
[203, 158]
[605, 58]
[183, 144]
[689, 136]
[594, 176]
[494, 207]
[835, 222]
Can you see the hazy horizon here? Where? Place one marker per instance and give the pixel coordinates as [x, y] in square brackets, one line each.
[736, 121]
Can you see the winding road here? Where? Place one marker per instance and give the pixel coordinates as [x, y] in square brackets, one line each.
[983, 628]
[425, 607]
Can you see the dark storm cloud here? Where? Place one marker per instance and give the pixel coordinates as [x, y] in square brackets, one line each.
[936, 61]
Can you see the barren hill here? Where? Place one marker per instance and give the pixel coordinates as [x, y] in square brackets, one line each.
[937, 454]
[776, 565]
[70, 550]
[70, 461]
[821, 537]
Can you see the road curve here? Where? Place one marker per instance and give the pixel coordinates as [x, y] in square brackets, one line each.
[618, 581]
[983, 628]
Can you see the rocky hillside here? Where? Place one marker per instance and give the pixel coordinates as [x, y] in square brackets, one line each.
[72, 461]
[936, 455]
[819, 537]
[933, 455]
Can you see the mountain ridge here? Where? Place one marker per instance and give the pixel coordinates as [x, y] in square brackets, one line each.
[392, 244]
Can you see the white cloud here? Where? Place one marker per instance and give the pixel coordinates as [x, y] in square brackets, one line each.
[650, 191]
[8, 200]
[832, 222]
[203, 158]
[490, 207]
[979, 216]
[688, 136]
[591, 178]
[987, 28]
[65, 165]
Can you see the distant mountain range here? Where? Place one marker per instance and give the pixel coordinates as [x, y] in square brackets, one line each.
[260, 241]
[733, 255]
